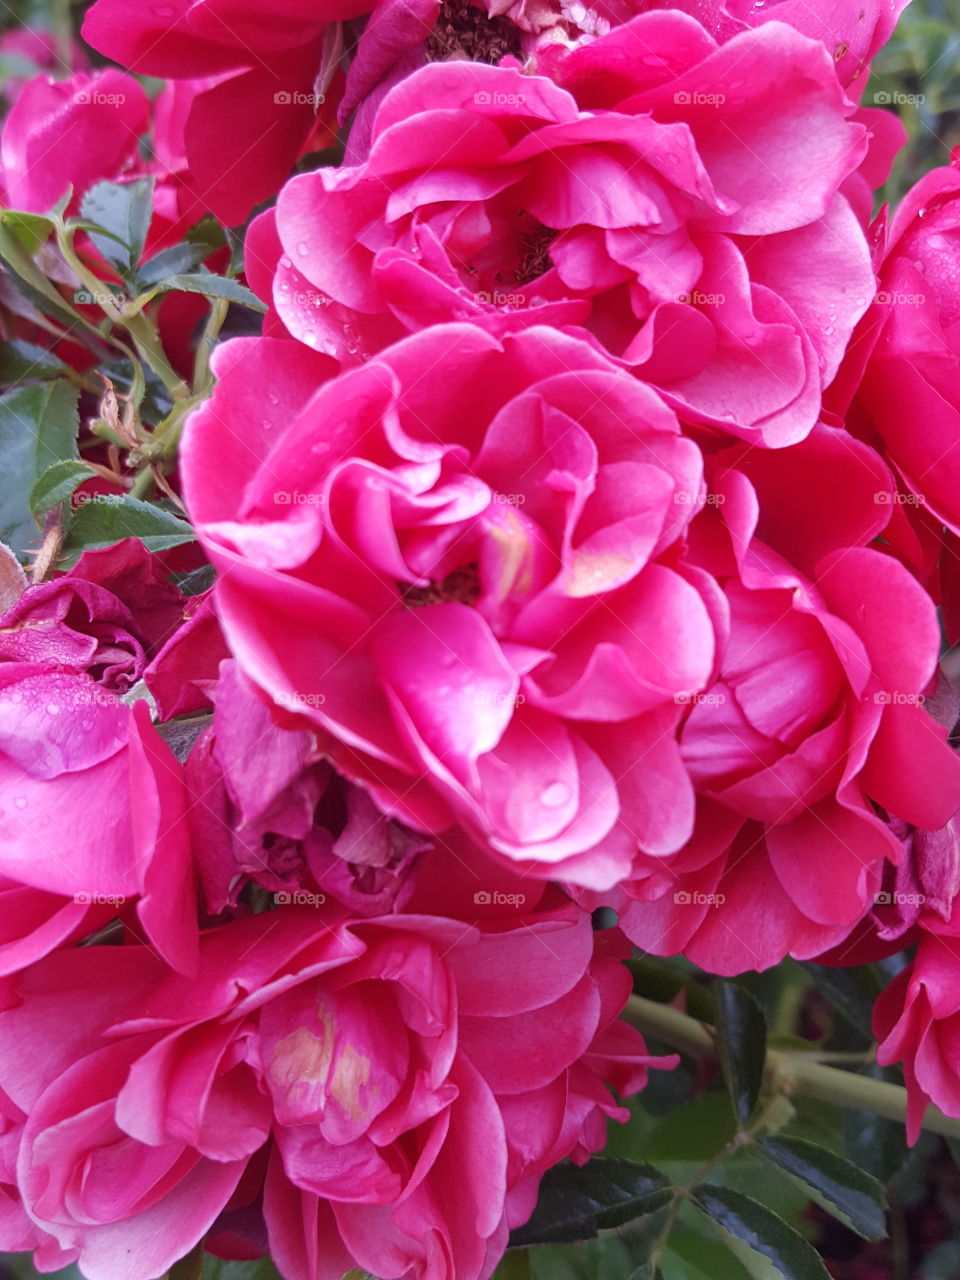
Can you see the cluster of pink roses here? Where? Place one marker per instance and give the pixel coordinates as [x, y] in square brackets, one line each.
[579, 519]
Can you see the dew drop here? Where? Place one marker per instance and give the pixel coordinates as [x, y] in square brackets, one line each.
[557, 794]
[310, 338]
[21, 802]
[303, 248]
[273, 398]
[285, 263]
[53, 709]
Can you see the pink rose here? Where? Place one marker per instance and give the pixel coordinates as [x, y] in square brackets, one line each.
[903, 369]
[814, 725]
[492, 626]
[917, 1023]
[93, 818]
[373, 1063]
[97, 120]
[256, 78]
[267, 811]
[665, 196]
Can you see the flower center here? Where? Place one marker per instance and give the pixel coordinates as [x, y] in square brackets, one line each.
[534, 257]
[462, 586]
[464, 30]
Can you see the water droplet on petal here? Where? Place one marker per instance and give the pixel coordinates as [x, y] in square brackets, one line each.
[557, 794]
[53, 709]
[310, 338]
[285, 263]
[21, 802]
[303, 248]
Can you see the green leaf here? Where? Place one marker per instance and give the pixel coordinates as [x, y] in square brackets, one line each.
[514, 1266]
[38, 427]
[32, 230]
[693, 1252]
[30, 280]
[835, 1183]
[27, 362]
[213, 286]
[56, 485]
[109, 517]
[850, 991]
[576, 1202]
[122, 211]
[741, 1046]
[764, 1232]
[197, 581]
[204, 239]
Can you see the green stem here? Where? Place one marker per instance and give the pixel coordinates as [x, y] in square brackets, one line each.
[61, 20]
[789, 1071]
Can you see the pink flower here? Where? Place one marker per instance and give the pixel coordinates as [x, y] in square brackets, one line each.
[107, 616]
[268, 811]
[903, 368]
[93, 820]
[492, 626]
[256, 79]
[917, 1023]
[93, 817]
[813, 726]
[70, 133]
[370, 1065]
[666, 197]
